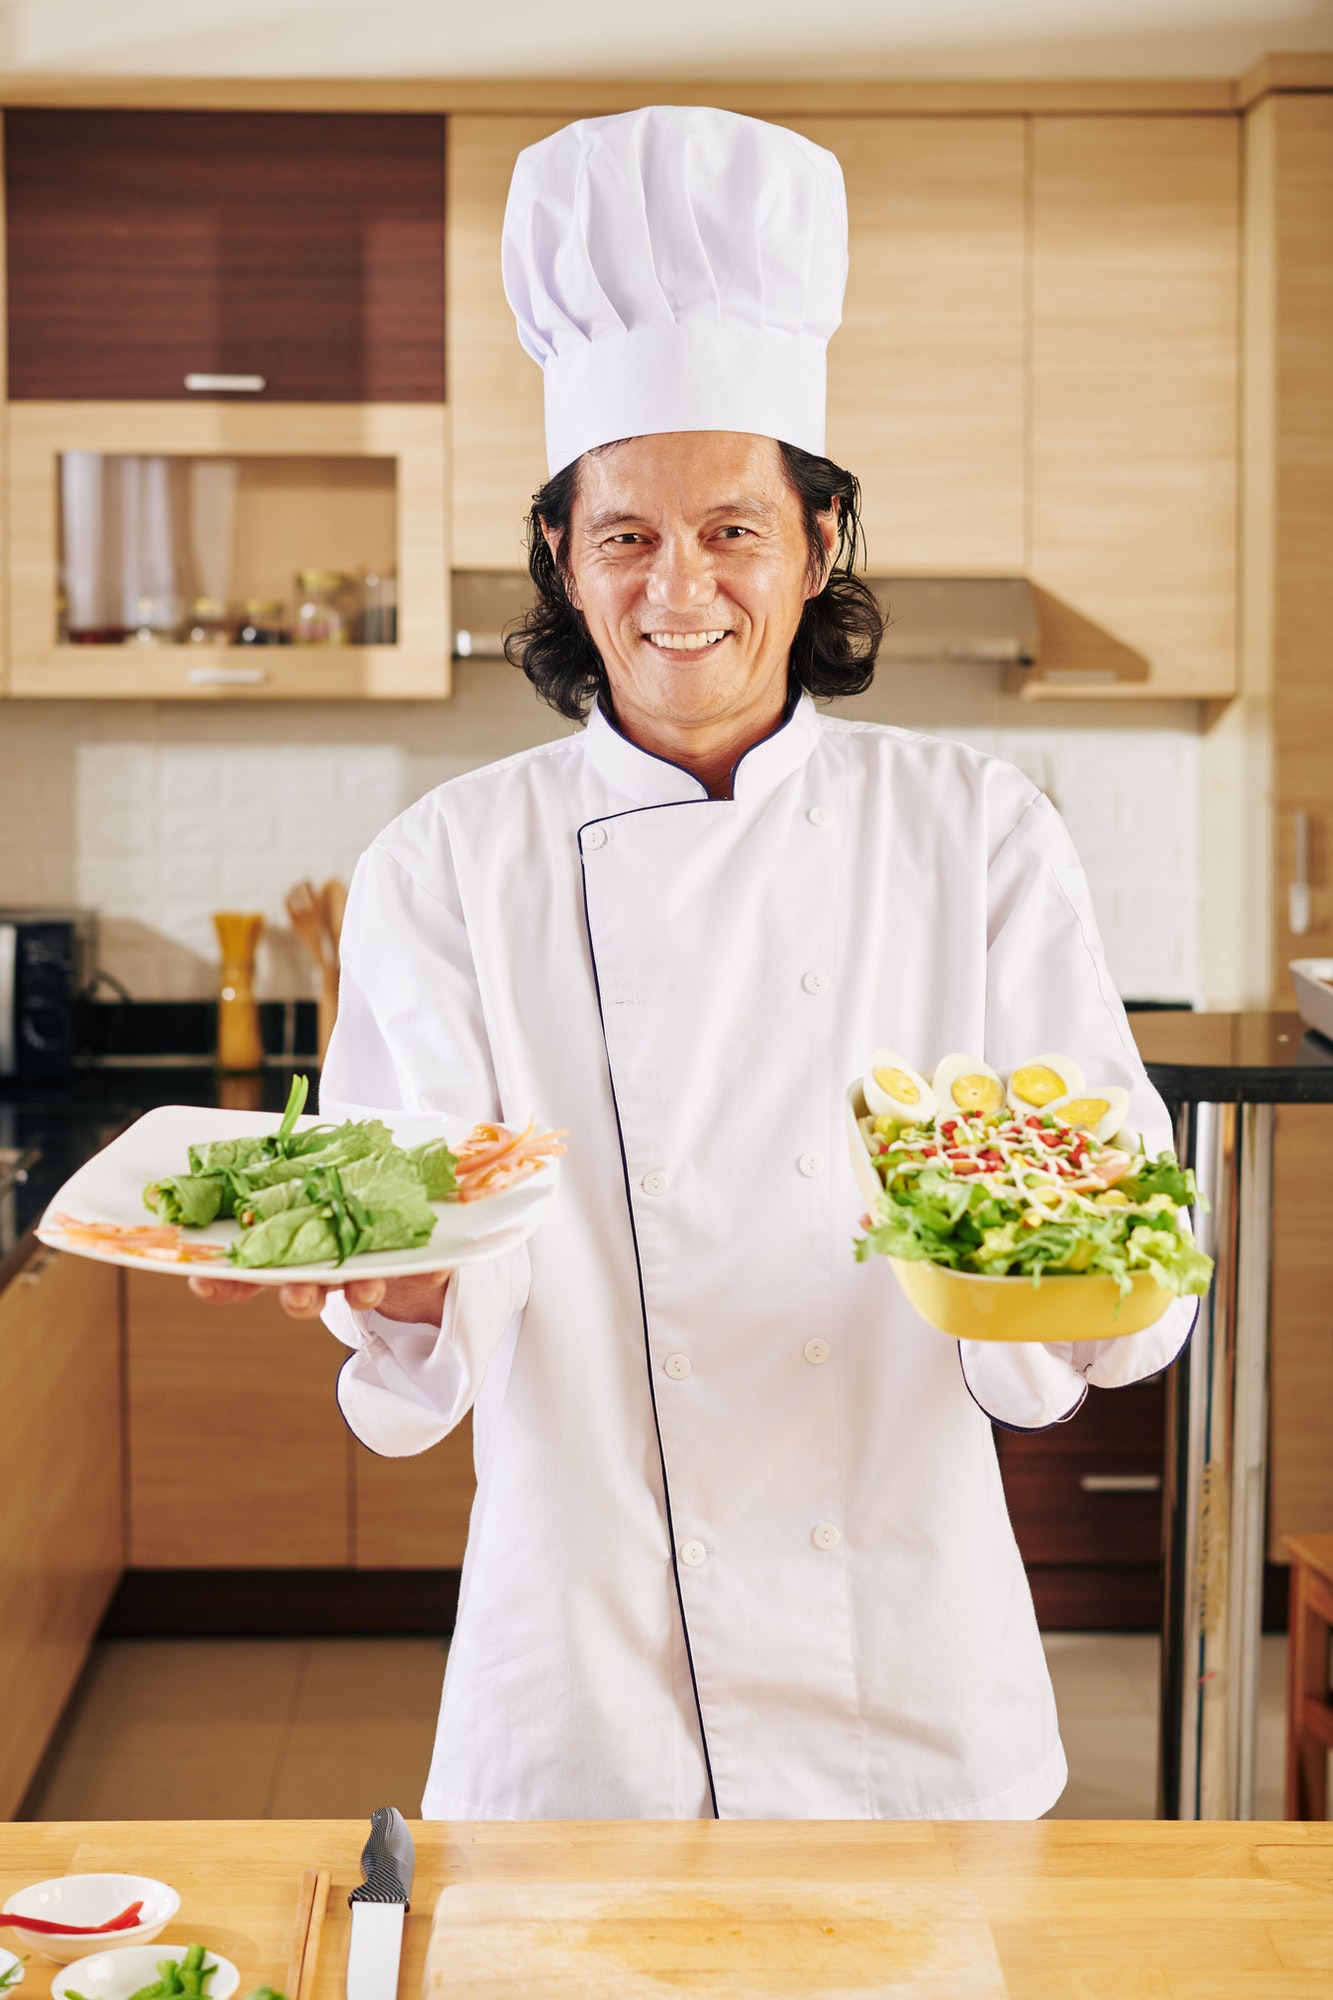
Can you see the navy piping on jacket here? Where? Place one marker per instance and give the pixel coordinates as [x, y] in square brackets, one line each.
[643, 1299]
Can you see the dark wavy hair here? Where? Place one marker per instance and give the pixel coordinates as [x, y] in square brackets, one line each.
[836, 641]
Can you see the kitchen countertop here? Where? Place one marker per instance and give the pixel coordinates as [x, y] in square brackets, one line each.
[1255, 1058]
[1234, 1911]
[68, 1122]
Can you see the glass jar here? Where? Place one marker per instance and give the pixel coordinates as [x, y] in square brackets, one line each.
[263, 623]
[322, 608]
[377, 622]
[209, 623]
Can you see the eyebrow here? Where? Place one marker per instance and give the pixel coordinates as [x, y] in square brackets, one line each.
[610, 517]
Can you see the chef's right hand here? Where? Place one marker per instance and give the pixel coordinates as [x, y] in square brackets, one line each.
[418, 1301]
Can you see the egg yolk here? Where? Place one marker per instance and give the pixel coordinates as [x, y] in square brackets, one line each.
[1038, 1085]
[897, 1084]
[1084, 1111]
[976, 1093]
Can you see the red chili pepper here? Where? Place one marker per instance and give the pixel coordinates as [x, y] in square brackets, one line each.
[126, 1921]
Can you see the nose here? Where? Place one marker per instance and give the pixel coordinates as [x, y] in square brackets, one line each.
[681, 577]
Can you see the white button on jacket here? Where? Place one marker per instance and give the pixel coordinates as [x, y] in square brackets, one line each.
[653, 996]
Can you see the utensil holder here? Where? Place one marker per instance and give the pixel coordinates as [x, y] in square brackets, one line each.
[240, 1044]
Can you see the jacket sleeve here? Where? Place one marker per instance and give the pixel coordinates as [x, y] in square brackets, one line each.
[1047, 988]
[411, 1037]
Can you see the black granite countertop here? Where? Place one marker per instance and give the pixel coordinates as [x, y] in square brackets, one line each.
[63, 1124]
[1256, 1058]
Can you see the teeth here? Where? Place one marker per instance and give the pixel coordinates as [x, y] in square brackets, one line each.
[684, 642]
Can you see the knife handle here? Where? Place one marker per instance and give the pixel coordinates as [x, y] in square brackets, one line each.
[387, 1860]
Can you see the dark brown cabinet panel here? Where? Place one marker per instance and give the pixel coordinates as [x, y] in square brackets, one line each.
[306, 247]
[1092, 1543]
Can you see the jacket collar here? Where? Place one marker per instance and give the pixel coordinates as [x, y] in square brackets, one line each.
[651, 781]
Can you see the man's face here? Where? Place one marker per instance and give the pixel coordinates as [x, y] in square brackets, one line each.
[688, 558]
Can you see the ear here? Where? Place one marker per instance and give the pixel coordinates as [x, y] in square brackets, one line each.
[828, 535]
[552, 538]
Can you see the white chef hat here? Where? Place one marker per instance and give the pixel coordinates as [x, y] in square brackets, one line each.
[676, 269]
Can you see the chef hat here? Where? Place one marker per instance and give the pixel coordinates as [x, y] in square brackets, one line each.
[676, 269]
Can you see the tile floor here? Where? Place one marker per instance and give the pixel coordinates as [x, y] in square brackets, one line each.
[330, 1728]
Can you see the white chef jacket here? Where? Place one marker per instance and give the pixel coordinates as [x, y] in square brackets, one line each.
[739, 1543]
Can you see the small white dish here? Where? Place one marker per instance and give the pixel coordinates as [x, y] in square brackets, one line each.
[11, 1970]
[90, 1899]
[122, 1970]
[109, 1188]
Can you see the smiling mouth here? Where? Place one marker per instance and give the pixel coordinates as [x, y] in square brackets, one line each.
[685, 642]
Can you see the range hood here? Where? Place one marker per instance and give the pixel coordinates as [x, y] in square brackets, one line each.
[961, 620]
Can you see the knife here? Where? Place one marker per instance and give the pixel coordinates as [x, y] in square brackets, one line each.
[388, 1860]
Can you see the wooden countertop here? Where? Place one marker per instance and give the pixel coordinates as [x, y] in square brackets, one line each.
[1092, 1910]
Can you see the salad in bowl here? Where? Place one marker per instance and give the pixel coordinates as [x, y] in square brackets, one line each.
[1019, 1207]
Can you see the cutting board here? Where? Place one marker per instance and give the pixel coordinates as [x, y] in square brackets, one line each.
[735, 1940]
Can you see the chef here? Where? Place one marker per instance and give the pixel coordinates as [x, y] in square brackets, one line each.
[739, 1545]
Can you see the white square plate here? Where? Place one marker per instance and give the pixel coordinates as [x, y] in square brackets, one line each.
[109, 1188]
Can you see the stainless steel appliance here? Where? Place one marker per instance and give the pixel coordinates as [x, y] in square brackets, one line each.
[47, 958]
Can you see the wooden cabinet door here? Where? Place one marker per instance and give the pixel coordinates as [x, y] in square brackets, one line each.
[412, 1513]
[61, 1531]
[1134, 428]
[926, 374]
[1300, 1474]
[1086, 1506]
[495, 389]
[144, 246]
[238, 1456]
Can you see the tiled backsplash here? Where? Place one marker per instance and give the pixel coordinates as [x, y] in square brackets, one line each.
[157, 815]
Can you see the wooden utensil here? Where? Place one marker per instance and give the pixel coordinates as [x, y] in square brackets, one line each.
[306, 1933]
[317, 916]
[756, 1940]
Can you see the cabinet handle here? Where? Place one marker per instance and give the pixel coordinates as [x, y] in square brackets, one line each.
[227, 677]
[226, 385]
[1121, 1482]
[1298, 893]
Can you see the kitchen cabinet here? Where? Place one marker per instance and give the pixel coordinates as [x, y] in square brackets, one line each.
[1085, 1501]
[495, 389]
[1288, 595]
[324, 485]
[927, 373]
[1133, 440]
[61, 1534]
[238, 1457]
[412, 1513]
[145, 247]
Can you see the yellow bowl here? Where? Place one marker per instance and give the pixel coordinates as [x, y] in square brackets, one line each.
[1070, 1308]
[975, 1308]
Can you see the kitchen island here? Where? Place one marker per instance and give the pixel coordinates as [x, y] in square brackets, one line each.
[1077, 1908]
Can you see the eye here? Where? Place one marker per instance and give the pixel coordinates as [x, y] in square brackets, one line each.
[624, 541]
[734, 532]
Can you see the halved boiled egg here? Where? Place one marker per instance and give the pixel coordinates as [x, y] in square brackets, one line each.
[965, 1086]
[1037, 1083]
[1101, 1112]
[893, 1089]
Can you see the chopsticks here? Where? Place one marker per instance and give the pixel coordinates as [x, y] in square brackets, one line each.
[310, 1907]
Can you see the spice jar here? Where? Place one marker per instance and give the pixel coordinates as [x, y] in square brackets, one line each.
[322, 609]
[208, 623]
[263, 623]
[377, 624]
